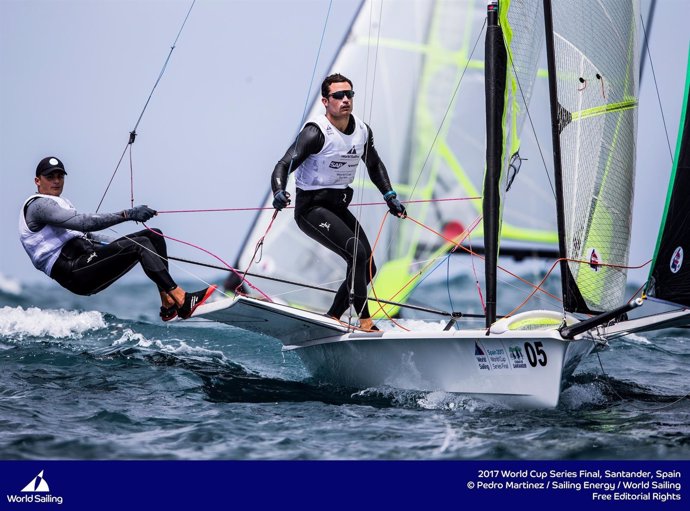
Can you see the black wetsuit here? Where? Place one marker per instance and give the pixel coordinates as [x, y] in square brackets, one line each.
[87, 265]
[330, 205]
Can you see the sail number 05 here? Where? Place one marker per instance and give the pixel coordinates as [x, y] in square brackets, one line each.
[535, 354]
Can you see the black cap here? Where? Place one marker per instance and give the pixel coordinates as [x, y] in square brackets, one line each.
[49, 164]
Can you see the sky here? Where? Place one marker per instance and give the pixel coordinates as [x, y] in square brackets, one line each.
[75, 75]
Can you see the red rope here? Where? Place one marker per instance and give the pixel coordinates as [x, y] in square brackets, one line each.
[268, 208]
[212, 255]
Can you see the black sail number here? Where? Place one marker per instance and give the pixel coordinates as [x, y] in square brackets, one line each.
[535, 354]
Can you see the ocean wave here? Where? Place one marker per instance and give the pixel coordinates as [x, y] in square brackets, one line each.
[172, 346]
[18, 323]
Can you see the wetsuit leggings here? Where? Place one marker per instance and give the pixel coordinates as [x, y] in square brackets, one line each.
[85, 268]
[335, 229]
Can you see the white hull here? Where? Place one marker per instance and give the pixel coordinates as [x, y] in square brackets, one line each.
[523, 369]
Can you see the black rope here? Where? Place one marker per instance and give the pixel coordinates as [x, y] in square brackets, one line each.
[133, 133]
[325, 289]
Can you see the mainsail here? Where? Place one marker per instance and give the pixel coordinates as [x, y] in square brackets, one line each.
[669, 277]
[593, 70]
[406, 59]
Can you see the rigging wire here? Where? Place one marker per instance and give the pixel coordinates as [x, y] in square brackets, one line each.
[260, 243]
[650, 20]
[133, 133]
[368, 115]
[311, 286]
[230, 268]
[641, 408]
[438, 131]
[445, 114]
[656, 88]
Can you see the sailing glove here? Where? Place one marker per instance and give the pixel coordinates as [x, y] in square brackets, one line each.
[139, 214]
[281, 199]
[394, 205]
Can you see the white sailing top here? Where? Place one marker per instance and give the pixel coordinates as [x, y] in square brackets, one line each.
[336, 164]
[44, 245]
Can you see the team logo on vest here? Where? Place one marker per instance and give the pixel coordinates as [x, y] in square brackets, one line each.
[336, 164]
[594, 259]
[677, 260]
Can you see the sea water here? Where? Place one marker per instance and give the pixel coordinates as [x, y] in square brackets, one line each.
[102, 377]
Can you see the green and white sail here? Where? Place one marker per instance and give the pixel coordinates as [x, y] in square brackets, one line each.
[593, 66]
[406, 58]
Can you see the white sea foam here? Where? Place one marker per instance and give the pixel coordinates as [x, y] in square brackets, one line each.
[172, 346]
[17, 323]
[634, 338]
[9, 285]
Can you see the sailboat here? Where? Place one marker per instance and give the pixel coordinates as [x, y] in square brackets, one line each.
[521, 360]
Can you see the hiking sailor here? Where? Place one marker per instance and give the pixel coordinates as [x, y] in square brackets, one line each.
[62, 243]
[325, 157]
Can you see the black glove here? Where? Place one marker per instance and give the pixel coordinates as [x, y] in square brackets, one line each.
[281, 199]
[139, 214]
[394, 205]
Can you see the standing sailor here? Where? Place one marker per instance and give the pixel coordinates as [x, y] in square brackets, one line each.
[61, 243]
[325, 157]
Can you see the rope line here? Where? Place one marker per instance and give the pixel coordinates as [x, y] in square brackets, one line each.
[264, 295]
[133, 133]
[268, 208]
[656, 88]
[641, 408]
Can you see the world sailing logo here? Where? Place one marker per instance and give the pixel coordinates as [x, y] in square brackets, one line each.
[37, 484]
[677, 260]
[480, 355]
[37, 490]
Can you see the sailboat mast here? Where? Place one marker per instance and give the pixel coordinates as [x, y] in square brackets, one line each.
[556, 141]
[494, 84]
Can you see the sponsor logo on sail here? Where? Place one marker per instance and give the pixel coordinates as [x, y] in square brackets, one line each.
[36, 491]
[594, 259]
[677, 260]
[336, 164]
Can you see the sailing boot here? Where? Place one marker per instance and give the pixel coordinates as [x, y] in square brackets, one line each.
[193, 300]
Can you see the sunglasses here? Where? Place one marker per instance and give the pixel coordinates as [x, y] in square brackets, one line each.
[342, 93]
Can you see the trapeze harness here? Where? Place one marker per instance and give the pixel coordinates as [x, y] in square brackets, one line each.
[54, 236]
[325, 162]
